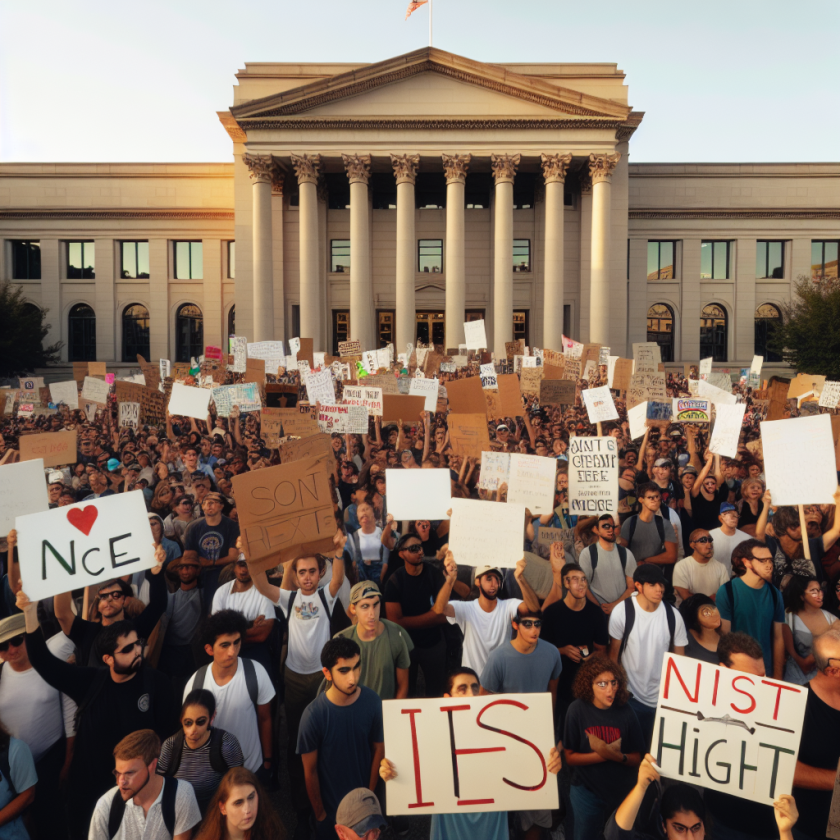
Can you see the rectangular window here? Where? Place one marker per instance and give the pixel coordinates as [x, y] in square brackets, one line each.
[231, 260]
[340, 255]
[521, 254]
[189, 261]
[824, 259]
[520, 326]
[714, 260]
[80, 261]
[134, 260]
[430, 255]
[26, 260]
[769, 260]
[661, 257]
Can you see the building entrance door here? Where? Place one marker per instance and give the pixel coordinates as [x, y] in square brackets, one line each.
[431, 327]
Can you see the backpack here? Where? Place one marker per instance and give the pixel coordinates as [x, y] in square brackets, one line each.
[357, 549]
[660, 529]
[630, 620]
[622, 556]
[338, 619]
[167, 807]
[217, 760]
[6, 770]
[250, 683]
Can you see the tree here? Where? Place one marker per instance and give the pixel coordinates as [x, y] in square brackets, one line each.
[22, 334]
[809, 337]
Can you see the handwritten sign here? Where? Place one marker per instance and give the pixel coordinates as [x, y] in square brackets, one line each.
[593, 476]
[495, 470]
[22, 490]
[129, 415]
[646, 386]
[486, 533]
[558, 392]
[530, 381]
[830, 396]
[599, 404]
[246, 396]
[65, 392]
[475, 335]
[77, 545]
[488, 376]
[212, 352]
[479, 754]
[726, 730]
[344, 419]
[55, 449]
[370, 398]
[427, 388]
[349, 348]
[727, 431]
[95, 390]
[239, 350]
[317, 446]
[468, 434]
[320, 388]
[532, 482]
[691, 411]
[647, 357]
[716, 395]
[152, 406]
[419, 494]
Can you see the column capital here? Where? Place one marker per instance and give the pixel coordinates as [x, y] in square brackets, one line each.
[264, 168]
[554, 167]
[358, 168]
[307, 168]
[585, 182]
[455, 167]
[601, 167]
[504, 167]
[405, 168]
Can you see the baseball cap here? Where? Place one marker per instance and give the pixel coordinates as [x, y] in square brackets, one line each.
[648, 573]
[360, 811]
[55, 477]
[484, 570]
[113, 464]
[364, 589]
[12, 626]
[726, 507]
[690, 470]
[502, 427]
[134, 466]
[662, 462]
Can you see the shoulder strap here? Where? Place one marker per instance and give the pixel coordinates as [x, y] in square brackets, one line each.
[292, 602]
[251, 680]
[6, 770]
[175, 758]
[593, 557]
[357, 545]
[634, 520]
[629, 621]
[217, 760]
[672, 625]
[167, 804]
[622, 556]
[200, 677]
[730, 591]
[323, 598]
[660, 529]
[115, 814]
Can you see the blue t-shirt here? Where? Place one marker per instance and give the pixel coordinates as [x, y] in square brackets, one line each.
[344, 737]
[754, 612]
[487, 825]
[23, 777]
[510, 672]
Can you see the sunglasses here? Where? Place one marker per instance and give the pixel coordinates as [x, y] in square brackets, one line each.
[104, 596]
[414, 549]
[610, 526]
[605, 683]
[130, 647]
[528, 623]
[704, 540]
[15, 641]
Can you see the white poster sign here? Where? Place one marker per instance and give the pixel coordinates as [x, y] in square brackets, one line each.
[830, 396]
[636, 417]
[495, 470]
[715, 394]
[239, 350]
[532, 482]
[799, 460]
[599, 404]
[65, 392]
[486, 533]
[370, 398]
[189, 402]
[479, 754]
[593, 476]
[727, 430]
[647, 357]
[419, 494]
[165, 368]
[245, 396]
[23, 489]
[78, 545]
[727, 730]
[427, 388]
[344, 419]
[755, 366]
[95, 390]
[265, 349]
[130, 415]
[488, 376]
[475, 335]
[319, 388]
[705, 367]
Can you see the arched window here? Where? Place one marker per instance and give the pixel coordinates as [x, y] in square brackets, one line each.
[713, 332]
[768, 319]
[135, 332]
[189, 332]
[81, 334]
[232, 320]
[660, 328]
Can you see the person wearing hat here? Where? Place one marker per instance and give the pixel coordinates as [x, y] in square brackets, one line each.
[385, 646]
[359, 816]
[485, 622]
[641, 633]
[727, 536]
[708, 494]
[700, 571]
[99, 485]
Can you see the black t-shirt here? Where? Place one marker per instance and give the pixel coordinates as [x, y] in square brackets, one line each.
[671, 491]
[416, 595]
[563, 626]
[705, 513]
[747, 517]
[345, 490]
[819, 747]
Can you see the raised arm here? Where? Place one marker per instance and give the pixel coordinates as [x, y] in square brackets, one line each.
[558, 560]
[698, 485]
[530, 601]
[761, 524]
[832, 534]
[339, 541]
[427, 426]
[450, 571]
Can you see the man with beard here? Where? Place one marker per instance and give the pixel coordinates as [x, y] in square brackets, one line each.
[608, 568]
[485, 622]
[113, 702]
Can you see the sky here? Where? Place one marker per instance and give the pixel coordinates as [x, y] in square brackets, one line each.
[719, 80]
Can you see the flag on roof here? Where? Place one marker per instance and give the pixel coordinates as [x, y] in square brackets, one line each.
[413, 6]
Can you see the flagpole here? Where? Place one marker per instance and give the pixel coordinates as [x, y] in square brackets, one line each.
[430, 23]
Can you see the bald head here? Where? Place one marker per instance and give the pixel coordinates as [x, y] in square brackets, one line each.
[827, 647]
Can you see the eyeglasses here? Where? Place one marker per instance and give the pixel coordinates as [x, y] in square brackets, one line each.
[414, 549]
[528, 623]
[104, 596]
[605, 683]
[130, 647]
[704, 540]
[610, 526]
[15, 641]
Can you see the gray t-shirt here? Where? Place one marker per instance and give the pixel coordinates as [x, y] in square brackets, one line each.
[184, 611]
[646, 542]
[510, 672]
[609, 581]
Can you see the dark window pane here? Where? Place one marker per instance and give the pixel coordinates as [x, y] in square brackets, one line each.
[135, 327]
[816, 260]
[523, 191]
[430, 255]
[80, 261]
[81, 334]
[521, 254]
[430, 190]
[660, 328]
[830, 260]
[767, 321]
[713, 332]
[383, 190]
[477, 191]
[340, 255]
[189, 333]
[706, 260]
[26, 260]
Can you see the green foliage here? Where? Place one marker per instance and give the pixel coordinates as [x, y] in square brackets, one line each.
[22, 332]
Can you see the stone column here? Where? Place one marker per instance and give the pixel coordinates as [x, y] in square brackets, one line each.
[263, 172]
[455, 167]
[361, 290]
[105, 301]
[307, 168]
[601, 168]
[504, 170]
[405, 171]
[554, 171]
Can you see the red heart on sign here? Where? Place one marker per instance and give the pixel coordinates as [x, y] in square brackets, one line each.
[83, 518]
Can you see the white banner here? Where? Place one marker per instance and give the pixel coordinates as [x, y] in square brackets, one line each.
[599, 404]
[427, 388]
[727, 431]
[495, 470]
[486, 533]
[475, 335]
[370, 398]
[189, 402]
[488, 376]
[593, 476]
[239, 351]
[320, 388]
[65, 392]
[23, 489]
[532, 482]
[418, 494]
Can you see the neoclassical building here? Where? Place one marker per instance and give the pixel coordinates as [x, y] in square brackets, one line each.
[393, 201]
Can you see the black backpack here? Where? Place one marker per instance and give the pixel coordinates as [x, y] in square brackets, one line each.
[660, 529]
[338, 618]
[622, 556]
[250, 683]
[6, 770]
[167, 806]
[630, 620]
[217, 760]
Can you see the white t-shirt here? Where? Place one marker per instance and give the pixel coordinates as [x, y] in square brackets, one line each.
[646, 647]
[724, 546]
[343, 590]
[700, 577]
[483, 631]
[235, 713]
[370, 545]
[309, 629]
[250, 603]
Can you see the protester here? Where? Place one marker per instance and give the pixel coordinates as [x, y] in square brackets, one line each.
[727, 536]
[184, 610]
[702, 621]
[805, 619]
[699, 572]
[608, 566]
[17, 788]
[366, 548]
[359, 816]
[650, 538]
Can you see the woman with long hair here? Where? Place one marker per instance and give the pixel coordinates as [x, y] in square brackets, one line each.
[805, 619]
[702, 620]
[750, 505]
[162, 499]
[240, 810]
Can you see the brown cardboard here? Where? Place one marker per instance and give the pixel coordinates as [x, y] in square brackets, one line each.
[386, 381]
[307, 351]
[255, 370]
[401, 407]
[590, 352]
[552, 372]
[803, 383]
[466, 396]
[152, 402]
[510, 397]
[150, 372]
[622, 372]
[349, 348]
[97, 369]
[529, 381]
[317, 446]
[553, 357]
[80, 371]
[282, 422]
[559, 392]
[468, 434]
[56, 448]
[571, 369]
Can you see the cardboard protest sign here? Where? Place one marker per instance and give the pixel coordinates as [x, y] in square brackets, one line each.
[349, 348]
[95, 390]
[386, 382]
[475, 335]
[705, 367]
[636, 418]
[65, 392]
[399, 407]
[488, 376]
[510, 397]
[691, 411]
[151, 373]
[286, 421]
[727, 730]
[571, 348]
[727, 431]
[553, 372]
[370, 398]
[547, 536]
[591, 353]
[530, 380]
[468, 434]
[344, 419]
[54, 448]
[593, 476]
[320, 388]
[486, 533]
[599, 404]
[716, 395]
[622, 373]
[74, 546]
[495, 470]
[466, 396]
[479, 754]
[419, 494]
[531, 482]
[80, 371]
[803, 383]
[285, 511]
[571, 368]
[152, 405]
[646, 357]
[212, 352]
[307, 351]
[129, 415]
[428, 389]
[264, 349]
[799, 460]
[560, 392]
[189, 402]
[514, 348]
[646, 386]
[23, 490]
[255, 370]
[316, 446]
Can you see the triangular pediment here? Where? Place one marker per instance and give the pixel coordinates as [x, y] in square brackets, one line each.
[429, 82]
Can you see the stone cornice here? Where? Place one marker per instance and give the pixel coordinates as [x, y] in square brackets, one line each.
[626, 131]
[428, 124]
[109, 214]
[732, 213]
